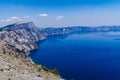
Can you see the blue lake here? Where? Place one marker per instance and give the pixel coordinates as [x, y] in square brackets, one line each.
[82, 56]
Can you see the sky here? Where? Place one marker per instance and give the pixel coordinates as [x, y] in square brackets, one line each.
[61, 13]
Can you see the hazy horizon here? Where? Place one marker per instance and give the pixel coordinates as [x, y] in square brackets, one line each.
[61, 13]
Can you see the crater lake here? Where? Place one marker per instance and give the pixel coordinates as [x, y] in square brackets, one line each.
[81, 56]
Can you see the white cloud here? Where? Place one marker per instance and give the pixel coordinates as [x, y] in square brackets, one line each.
[8, 20]
[59, 17]
[11, 19]
[43, 15]
[14, 17]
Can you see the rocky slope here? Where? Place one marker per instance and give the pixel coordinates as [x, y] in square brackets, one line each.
[16, 41]
[12, 68]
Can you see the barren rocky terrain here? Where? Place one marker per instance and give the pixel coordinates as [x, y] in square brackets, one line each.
[16, 69]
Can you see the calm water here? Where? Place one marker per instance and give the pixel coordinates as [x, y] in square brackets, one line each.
[82, 56]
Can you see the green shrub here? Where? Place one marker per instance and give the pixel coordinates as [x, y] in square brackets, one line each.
[46, 69]
[1, 70]
[9, 78]
[54, 71]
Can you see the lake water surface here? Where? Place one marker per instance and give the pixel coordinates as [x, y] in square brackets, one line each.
[82, 56]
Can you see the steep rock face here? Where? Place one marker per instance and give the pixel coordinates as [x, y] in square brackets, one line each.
[18, 39]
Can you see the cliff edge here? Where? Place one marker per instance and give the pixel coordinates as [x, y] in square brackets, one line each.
[16, 42]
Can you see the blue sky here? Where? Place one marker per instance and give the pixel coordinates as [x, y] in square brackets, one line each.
[58, 13]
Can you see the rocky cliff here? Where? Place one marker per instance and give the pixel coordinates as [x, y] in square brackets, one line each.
[16, 41]
[20, 38]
